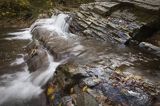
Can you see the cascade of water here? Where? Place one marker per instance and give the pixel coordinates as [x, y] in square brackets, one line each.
[58, 24]
[17, 86]
[25, 85]
[44, 76]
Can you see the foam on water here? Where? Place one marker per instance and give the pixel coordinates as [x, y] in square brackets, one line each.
[17, 86]
[25, 85]
[18, 61]
[59, 24]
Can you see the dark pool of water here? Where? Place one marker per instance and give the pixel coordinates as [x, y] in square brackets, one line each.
[9, 49]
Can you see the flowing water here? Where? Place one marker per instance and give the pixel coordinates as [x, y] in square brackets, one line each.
[19, 87]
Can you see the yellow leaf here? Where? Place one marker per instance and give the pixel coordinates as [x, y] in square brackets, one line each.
[52, 97]
[60, 104]
[50, 90]
[84, 88]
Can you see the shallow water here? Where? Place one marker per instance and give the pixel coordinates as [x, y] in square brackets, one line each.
[125, 59]
[10, 49]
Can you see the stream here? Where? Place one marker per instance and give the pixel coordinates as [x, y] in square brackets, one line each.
[20, 87]
[13, 69]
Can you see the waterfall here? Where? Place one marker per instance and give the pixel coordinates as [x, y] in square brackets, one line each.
[24, 85]
[59, 24]
[18, 86]
[44, 76]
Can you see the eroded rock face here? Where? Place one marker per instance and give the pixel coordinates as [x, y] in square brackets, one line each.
[101, 24]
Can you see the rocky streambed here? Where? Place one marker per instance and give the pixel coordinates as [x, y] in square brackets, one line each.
[97, 55]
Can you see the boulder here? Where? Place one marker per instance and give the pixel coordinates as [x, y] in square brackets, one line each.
[38, 60]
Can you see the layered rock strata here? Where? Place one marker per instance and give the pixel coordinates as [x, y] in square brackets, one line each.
[116, 21]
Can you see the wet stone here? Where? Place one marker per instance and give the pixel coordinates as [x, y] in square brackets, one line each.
[124, 97]
[150, 47]
[38, 60]
[67, 101]
[91, 81]
[100, 10]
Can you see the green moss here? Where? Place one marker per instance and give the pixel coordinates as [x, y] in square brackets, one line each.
[12, 8]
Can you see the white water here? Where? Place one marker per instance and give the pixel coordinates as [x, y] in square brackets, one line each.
[43, 77]
[18, 86]
[24, 34]
[57, 24]
[18, 61]
[24, 85]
